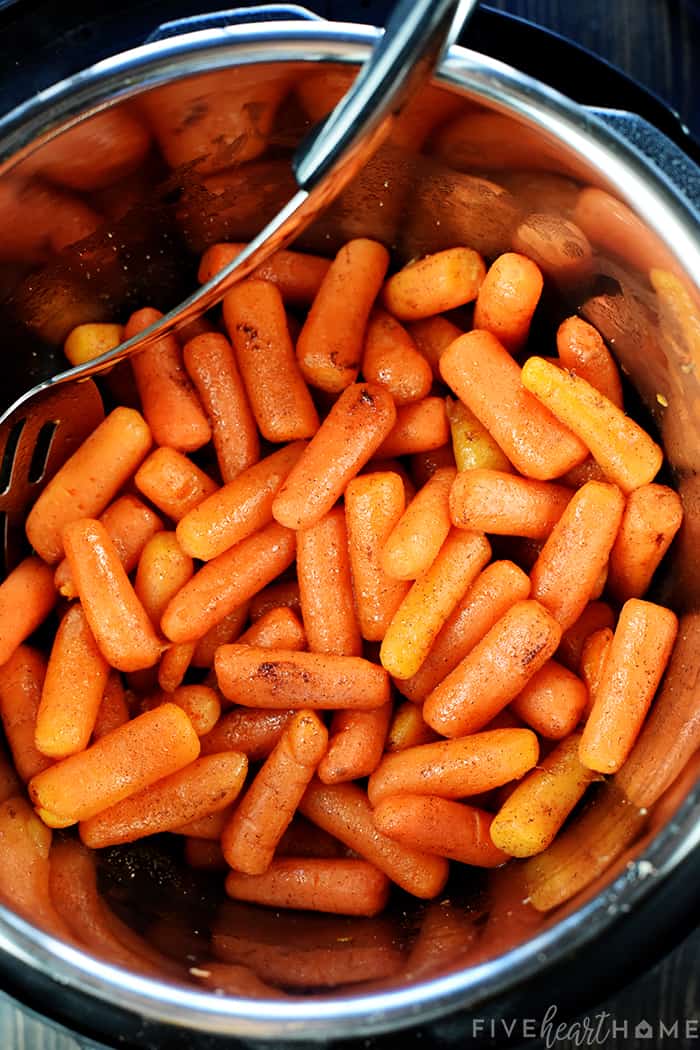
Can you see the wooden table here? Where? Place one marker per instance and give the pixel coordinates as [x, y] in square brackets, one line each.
[657, 42]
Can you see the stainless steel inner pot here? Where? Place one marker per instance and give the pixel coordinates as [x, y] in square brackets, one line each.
[95, 222]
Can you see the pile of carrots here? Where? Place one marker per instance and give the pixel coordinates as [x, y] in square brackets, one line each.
[412, 558]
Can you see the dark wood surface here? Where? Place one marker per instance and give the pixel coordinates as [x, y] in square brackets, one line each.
[658, 43]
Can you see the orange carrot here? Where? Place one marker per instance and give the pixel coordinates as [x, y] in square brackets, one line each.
[133, 757]
[355, 744]
[258, 823]
[88, 341]
[416, 539]
[434, 284]
[200, 703]
[486, 378]
[652, 516]
[553, 701]
[441, 827]
[228, 630]
[21, 683]
[24, 868]
[432, 336]
[594, 616]
[286, 593]
[639, 652]
[472, 444]
[27, 596]
[558, 246]
[170, 403]
[582, 350]
[325, 587]
[174, 664]
[113, 710]
[173, 482]
[329, 347]
[282, 678]
[349, 436]
[595, 652]
[419, 427]
[408, 728]
[163, 569]
[297, 275]
[209, 828]
[89, 480]
[508, 298]
[211, 366]
[491, 501]
[586, 471]
[343, 887]
[204, 855]
[257, 325]
[391, 359]
[277, 629]
[494, 672]
[253, 732]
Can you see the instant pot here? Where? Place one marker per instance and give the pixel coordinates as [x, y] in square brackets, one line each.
[613, 136]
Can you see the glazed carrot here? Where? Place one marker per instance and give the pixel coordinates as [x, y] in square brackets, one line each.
[162, 570]
[285, 593]
[277, 629]
[441, 827]
[508, 298]
[652, 516]
[637, 659]
[257, 326]
[391, 359]
[329, 347]
[393, 466]
[594, 616]
[228, 630]
[557, 246]
[113, 710]
[494, 672]
[133, 757]
[586, 471]
[282, 678]
[567, 570]
[209, 828]
[486, 378]
[626, 453]
[355, 744]
[345, 812]
[491, 501]
[593, 657]
[430, 601]
[174, 664]
[169, 401]
[434, 284]
[211, 365]
[534, 812]
[201, 704]
[297, 275]
[21, 683]
[457, 768]
[227, 581]
[129, 524]
[374, 504]
[239, 508]
[581, 350]
[472, 444]
[419, 427]
[75, 681]
[343, 887]
[325, 587]
[204, 855]
[27, 596]
[208, 784]
[408, 728]
[89, 480]
[253, 732]
[173, 483]
[118, 620]
[258, 823]
[24, 867]
[416, 539]
[87, 341]
[349, 436]
[553, 701]
[432, 336]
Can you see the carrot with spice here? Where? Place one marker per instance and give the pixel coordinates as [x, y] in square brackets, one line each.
[21, 684]
[506, 505]
[355, 745]
[27, 596]
[508, 298]
[173, 483]
[652, 517]
[553, 702]
[417, 537]
[325, 587]
[391, 359]
[340, 886]
[420, 427]
[472, 444]
[434, 284]
[297, 274]
[441, 827]
[582, 350]
[252, 731]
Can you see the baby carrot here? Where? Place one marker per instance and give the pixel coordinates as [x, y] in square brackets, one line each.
[209, 828]
[355, 744]
[21, 683]
[117, 618]
[430, 601]
[113, 710]
[432, 336]
[456, 768]
[494, 591]
[277, 629]
[174, 664]
[374, 504]
[416, 539]
[408, 728]
[227, 630]
[206, 785]
[285, 593]
[344, 811]
[340, 886]
[227, 581]
[329, 347]
[169, 401]
[491, 501]
[652, 517]
[472, 444]
[252, 731]
[257, 325]
[211, 365]
[581, 350]
[325, 587]
[553, 701]
[594, 616]
[349, 436]
[419, 427]
[532, 814]
[24, 867]
[134, 756]
[441, 827]
[508, 298]
[593, 657]
[391, 359]
[494, 672]
[637, 659]
[75, 681]
[200, 703]
[256, 677]
[87, 341]
[27, 596]
[173, 483]
[259, 821]
[567, 569]
[162, 570]
[89, 480]
[297, 275]
[626, 453]
[486, 378]
[434, 284]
